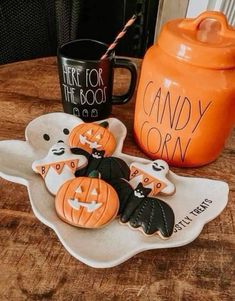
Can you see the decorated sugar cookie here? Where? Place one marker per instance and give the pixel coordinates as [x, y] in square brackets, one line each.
[109, 167]
[152, 175]
[92, 135]
[59, 165]
[87, 202]
[148, 214]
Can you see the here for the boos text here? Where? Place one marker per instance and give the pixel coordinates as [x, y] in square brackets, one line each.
[86, 87]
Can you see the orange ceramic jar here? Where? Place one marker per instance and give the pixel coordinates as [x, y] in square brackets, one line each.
[185, 106]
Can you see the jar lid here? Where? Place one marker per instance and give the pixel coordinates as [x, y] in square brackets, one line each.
[207, 41]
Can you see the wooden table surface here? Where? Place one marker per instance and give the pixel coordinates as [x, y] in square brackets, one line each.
[35, 266]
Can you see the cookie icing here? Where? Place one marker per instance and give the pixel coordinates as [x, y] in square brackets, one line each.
[59, 165]
[150, 215]
[109, 167]
[152, 175]
[90, 136]
[87, 202]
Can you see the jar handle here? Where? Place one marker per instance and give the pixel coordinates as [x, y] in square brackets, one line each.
[193, 24]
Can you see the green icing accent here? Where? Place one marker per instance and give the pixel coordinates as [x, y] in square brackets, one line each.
[94, 174]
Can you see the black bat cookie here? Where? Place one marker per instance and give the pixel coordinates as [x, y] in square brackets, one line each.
[140, 211]
[110, 168]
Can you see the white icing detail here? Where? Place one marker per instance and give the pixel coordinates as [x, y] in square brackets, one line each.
[82, 139]
[94, 145]
[138, 194]
[98, 137]
[94, 192]
[76, 204]
[96, 156]
[89, 132]
[78, 190]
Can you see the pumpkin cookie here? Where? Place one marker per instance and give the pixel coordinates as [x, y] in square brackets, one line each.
[87, 202]
[153, 176]
[92, 135]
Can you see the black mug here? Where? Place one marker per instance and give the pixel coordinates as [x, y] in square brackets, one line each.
[86, 80]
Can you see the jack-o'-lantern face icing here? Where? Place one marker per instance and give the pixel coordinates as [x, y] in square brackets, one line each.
[87, 202]
[90, 136]
[152, 175]
[58, 166]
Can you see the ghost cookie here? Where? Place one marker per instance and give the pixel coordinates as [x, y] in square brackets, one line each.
[87, 202]
[59, 165]
[152, 175]
[93, 135]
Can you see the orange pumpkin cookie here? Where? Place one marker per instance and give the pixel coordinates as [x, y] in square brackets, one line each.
[87, 202]
[92, 135]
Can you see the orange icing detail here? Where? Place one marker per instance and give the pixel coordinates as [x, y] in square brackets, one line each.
[42, 170]
[58, 167]
[100, 135]
[158, 185]
[92, 211]
[72, 164]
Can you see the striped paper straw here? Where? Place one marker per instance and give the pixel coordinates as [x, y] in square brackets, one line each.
[119, 36]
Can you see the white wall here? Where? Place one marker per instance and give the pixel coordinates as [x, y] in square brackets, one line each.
[196, 7]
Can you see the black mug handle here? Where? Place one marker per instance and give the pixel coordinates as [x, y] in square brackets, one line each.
[127, 64]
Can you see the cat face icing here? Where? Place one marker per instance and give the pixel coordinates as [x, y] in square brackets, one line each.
[97, 154]
[141, 192]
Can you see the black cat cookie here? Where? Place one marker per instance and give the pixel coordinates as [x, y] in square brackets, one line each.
[149, 214]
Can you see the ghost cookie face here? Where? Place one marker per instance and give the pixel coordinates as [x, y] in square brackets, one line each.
[87, 202]
[152, 175]
[58, 166]
[92, 135]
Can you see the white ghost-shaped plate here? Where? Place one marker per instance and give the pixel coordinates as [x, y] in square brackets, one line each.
[196, 201]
